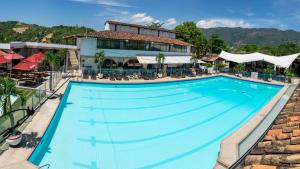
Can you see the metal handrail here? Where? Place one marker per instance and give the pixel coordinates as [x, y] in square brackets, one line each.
[46, 165]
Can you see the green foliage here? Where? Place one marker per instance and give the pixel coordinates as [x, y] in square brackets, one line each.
[155, 25]
[268, 70]
[249, 48]
[288, 73]
[216, 44]
[7, 89]
[239, 68]
[100, 58]
[220, 66]
[236, 37]
[189, 32]
[194, 60]
[208, 64]
[160, 59]
[36, 33]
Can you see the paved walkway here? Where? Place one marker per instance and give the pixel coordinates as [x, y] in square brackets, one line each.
[16, 158]
[280, 148]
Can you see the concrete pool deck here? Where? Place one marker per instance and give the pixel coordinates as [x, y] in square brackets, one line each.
[16, 158]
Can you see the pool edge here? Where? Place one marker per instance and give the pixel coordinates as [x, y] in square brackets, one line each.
[229, 147]
[147, 82]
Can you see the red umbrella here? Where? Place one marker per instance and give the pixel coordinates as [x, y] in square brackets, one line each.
[13, 55]
[3, 60]
[35, 58]
[25, 65]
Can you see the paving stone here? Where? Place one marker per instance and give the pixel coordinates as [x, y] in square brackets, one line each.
[258, 151]
[271, 160]
[264, 144]
[292, 149]
[275, 149]
[263, 167]
[292, 159]
[296, 133]
[281, 142]
[284, 136]
[295, 140]
[293, 118]
[253, 159]
[274, 132]
[289, 129]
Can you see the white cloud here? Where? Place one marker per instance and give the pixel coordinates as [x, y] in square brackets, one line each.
[138, 18]
[171, 22]
[223, 22]
[116, 3]
[113, 12]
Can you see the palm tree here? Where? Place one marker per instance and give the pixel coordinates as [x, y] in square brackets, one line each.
[7, 89]
[160, 59]
[51, 59]
[99, 58]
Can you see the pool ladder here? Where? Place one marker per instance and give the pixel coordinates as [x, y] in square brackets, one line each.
[46, 165]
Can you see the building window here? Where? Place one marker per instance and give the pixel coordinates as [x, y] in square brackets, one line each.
[139, 45]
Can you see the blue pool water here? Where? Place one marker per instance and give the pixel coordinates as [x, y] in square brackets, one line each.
[176, 125]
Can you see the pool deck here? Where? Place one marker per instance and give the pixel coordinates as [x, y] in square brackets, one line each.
[16, 158]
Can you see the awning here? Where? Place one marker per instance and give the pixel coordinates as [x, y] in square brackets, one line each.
[25, 66]
[168, 60]
[3, 60]
[280, 61]
[13, 55]
[36, 58]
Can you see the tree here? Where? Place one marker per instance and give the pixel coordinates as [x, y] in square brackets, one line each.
[99, 58]
[216, 44]
[239, 68]
[7, 90]
[287, 49]
[194, 61]
[52, 60]
[249, 48]
[160, 59]
[189, 32]
[268, 71]
[155, 25]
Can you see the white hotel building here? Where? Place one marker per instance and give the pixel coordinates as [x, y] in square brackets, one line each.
[125, 43]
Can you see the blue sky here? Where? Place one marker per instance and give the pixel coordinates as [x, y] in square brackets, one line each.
[281, 14]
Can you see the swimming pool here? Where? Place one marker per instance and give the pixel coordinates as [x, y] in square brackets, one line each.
[163, 125]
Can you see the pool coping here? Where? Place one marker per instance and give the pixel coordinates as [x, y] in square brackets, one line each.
[26, 154]
[229, 148]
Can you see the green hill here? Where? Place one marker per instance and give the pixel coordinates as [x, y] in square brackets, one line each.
[16, 31]
[260, 36]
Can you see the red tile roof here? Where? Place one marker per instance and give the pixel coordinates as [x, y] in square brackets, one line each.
[131, 36]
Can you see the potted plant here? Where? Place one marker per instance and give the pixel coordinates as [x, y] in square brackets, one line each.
[160, 59]
[209, 67]
[268, 72]
[220, 67]
[288, 75]
[238, 69]
[7, 90]
[52, 60]
[100, 58]
[194, 62]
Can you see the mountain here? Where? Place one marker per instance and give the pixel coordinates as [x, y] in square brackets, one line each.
[17, 31]
[236, 37]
